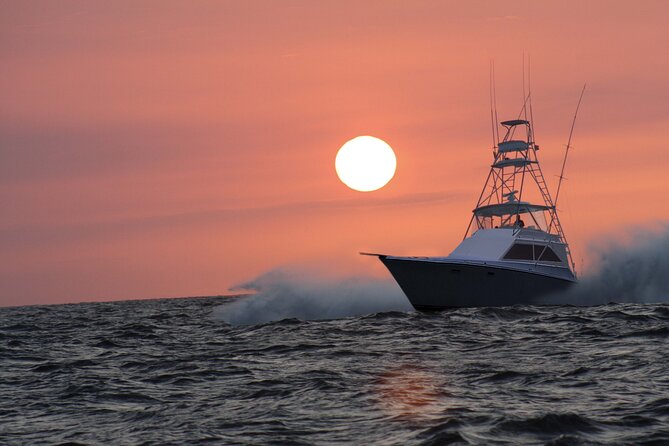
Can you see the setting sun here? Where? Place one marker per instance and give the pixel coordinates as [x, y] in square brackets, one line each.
[365, 163]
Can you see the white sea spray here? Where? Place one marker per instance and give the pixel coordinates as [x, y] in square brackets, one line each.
[308, 295]
[633, 271]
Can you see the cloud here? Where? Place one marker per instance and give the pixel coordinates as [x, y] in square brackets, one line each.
[39, 234]
[504, 18]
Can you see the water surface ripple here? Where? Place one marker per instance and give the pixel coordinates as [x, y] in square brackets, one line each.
[168, 372]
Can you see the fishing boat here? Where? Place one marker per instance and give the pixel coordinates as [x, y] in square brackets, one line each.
[514, 251]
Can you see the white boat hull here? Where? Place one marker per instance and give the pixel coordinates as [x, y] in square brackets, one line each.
[448, 283]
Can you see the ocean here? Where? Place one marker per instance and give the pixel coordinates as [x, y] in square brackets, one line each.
[201, 371]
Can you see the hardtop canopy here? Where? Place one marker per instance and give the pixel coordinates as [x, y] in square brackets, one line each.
[513, 145]
[516, 162]
[509, 208]
[514, 122]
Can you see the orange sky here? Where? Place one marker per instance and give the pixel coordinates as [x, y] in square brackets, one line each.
[165, 148]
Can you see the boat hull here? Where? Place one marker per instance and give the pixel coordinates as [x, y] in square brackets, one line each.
[431, 285]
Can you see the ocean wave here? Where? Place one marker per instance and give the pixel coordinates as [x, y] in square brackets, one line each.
[529, 375]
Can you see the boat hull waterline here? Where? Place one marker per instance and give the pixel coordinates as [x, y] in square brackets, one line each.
[437, 285]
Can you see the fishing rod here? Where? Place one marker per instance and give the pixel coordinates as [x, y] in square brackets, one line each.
[566, 152]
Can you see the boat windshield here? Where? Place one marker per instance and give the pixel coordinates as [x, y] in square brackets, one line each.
[538, 221]
[528, 220]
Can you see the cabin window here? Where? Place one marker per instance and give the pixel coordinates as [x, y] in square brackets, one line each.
[545, 254]
[521, 251]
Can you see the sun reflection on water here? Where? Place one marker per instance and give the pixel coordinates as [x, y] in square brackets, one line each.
[410, 392]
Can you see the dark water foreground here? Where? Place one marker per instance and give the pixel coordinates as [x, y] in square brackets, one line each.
[168, 372]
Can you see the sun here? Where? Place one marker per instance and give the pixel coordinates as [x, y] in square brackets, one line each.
[365, 163]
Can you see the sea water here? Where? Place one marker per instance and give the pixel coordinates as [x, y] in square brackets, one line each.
[200, 371]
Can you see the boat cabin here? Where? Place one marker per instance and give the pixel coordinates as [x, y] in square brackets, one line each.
[513, 245]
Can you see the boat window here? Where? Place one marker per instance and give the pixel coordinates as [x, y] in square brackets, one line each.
[520, 252]
[546, 254]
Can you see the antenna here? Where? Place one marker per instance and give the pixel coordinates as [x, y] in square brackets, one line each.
[527, 99]
[566, 152]
[494, 97]
[492, 109]
[525, 93]
[529, 96]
